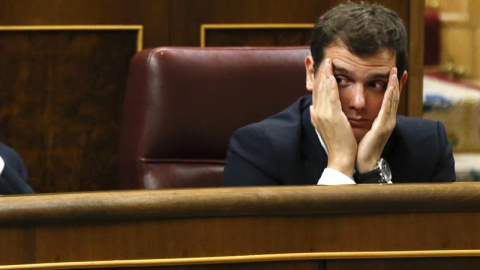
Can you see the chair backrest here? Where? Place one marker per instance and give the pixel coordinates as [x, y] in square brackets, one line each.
[183, 104]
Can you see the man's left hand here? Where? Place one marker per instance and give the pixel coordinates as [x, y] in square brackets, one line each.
[371, 146]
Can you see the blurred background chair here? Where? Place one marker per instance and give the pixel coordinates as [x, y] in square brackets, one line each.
[183, 104]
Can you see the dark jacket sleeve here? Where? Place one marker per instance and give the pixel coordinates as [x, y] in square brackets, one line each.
[250, 159]
[13, 178]
[445, 169]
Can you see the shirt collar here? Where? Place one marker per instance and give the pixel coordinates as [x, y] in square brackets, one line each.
[2, 164]
[321, 142]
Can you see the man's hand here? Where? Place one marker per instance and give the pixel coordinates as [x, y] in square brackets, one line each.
[371, 146]
[328, 118]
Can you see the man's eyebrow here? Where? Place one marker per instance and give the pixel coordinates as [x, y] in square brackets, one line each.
[379, 76]
[376, 76]
[338, 69]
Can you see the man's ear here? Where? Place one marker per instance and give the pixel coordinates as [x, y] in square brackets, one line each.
[310, 71]
[403, 80]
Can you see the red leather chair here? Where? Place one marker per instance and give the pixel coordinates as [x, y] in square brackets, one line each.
[183, 104]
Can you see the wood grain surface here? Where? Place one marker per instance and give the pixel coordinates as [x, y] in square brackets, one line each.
[374, 224]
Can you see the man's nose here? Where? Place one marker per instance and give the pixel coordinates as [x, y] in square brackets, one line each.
[358, 97]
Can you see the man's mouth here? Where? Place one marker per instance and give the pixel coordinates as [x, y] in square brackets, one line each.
[359, 123]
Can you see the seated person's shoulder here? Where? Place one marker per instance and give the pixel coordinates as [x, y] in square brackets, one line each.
[426, 136]
[419, 127]
[7, 153]
[284, 125]
[12, 159]
[14, 175]
[254, 150]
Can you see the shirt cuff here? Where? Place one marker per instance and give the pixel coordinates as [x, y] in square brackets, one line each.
[331, 177]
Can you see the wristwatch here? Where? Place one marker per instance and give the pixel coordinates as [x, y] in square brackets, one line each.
[380, 174]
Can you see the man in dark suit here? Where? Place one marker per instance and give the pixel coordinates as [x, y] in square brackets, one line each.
[347, 131]
[13, 175]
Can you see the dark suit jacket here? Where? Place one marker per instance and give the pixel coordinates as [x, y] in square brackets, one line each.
[285, 150]
[13, 178]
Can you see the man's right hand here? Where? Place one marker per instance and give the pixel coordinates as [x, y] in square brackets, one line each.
[328, 118]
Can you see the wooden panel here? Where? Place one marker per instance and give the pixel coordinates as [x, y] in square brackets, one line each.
[61, 107]
[191, 14]
[23, 251]
[412, 96]
[237, 35]
[375, 225]
[152, 14]
[313, 265]
[233, 236]
[62, 101]
[401, 264]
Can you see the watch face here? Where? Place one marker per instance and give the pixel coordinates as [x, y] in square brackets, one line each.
[385, 170]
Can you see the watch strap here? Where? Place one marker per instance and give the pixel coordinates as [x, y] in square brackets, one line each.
[371, 177]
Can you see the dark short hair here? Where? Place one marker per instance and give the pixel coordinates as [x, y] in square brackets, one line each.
[364, 28]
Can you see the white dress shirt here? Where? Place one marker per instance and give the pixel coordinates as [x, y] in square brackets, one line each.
[2, 164]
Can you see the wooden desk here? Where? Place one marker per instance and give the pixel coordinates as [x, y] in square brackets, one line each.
[308, 227]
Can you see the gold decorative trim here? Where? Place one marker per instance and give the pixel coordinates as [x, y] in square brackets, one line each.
[250, 259]
[432, 4]
[205, 27]
[138, 28]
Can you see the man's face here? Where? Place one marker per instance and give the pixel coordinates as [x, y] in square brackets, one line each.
[362, 82]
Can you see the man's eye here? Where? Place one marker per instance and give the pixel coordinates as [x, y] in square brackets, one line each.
[378, 85]
[341, 81]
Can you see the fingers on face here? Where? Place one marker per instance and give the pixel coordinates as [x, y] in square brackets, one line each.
[329, 81]
[396, 90]
[393, 91]
[321, 92]
[326, 72]
[327, 67]
[326, 96]
[391, 98]
[332, 89]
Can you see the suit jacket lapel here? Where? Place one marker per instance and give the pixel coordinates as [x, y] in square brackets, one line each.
[316, 158]
[388, 151]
